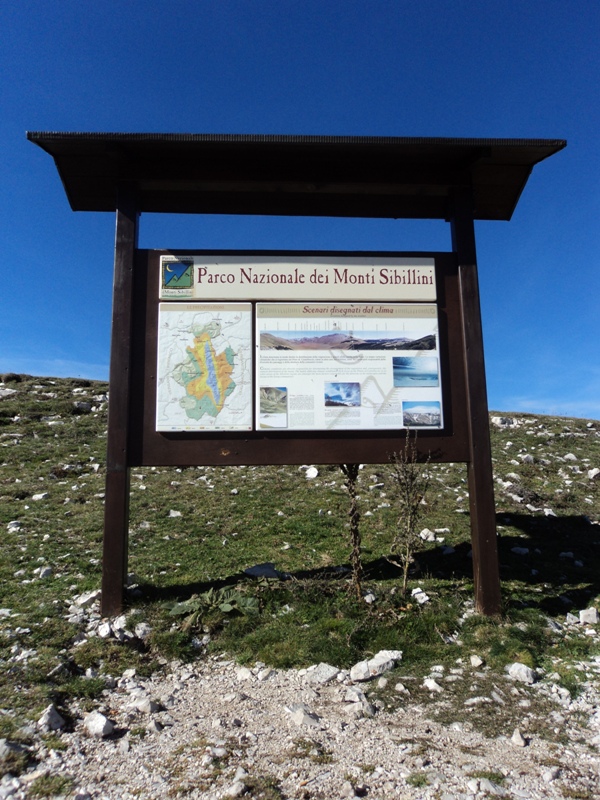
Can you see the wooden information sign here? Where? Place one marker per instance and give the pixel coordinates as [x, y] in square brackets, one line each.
[229, 358]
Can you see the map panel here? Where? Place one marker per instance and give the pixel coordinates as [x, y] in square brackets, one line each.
[204, 378]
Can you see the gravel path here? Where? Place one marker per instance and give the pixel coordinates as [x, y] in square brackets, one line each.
[216, 730]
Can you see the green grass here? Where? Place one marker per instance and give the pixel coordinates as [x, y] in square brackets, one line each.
[234, 518]
[417, 780]
[50, 786]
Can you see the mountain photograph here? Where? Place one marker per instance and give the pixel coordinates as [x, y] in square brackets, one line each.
[339, 340]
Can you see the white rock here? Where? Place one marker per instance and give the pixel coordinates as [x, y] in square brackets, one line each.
[354, 695]
[432, 685]
[88, 598]
[489, 787]
[420, 596]
[504, 422]
[98, 725]
[476, 661]
[382, 662]
[321, 674]
[41, 496]
[517, 739]
[476, 701]
[146, 706]
[143, 630]
[175, 513]
[119, 623]
[51, 720]
[523, 673]
[104, 630]
[237, 789]
[311, 473]
[305, 718]
[396, 655]
[592, 474]
[243, 674]
[360, 672]
[427, 535]
[588, 616]
[551, 774]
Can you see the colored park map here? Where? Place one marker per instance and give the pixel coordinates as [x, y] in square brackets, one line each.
[204, 378]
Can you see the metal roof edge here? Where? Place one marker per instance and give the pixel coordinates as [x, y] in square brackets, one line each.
[38, 136]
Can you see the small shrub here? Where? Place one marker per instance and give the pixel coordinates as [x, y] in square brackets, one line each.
[495, 777]
[411, 482]
[173, 644]
[54, 742]
[15, 761]
[417, 779]
[265, 787]
[227, 600]
[50, 786]
[351, 473]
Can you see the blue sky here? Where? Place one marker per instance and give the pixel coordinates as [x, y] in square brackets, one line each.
[467, 68]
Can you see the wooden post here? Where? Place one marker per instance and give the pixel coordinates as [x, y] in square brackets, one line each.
[116, 508]
[481, 483]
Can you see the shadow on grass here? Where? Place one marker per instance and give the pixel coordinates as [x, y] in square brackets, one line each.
[555, 564]
[556, 561]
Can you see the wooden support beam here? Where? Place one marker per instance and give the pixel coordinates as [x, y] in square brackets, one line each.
[481, 485]
[116, 508]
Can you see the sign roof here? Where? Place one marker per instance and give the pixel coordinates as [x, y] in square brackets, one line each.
[347, 176]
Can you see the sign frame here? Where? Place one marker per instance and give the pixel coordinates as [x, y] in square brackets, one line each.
[149, 447]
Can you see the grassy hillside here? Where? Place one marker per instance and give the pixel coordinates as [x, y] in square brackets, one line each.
[198, 528]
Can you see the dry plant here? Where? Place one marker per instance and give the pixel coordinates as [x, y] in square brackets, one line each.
[351, 473]
[411, 481]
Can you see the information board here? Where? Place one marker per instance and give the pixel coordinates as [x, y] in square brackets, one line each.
[297, 364]
[347, 367]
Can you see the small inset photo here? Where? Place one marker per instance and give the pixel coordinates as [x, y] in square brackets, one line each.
[421, 414]
[273, 407]
[416, 372]
[342, 394]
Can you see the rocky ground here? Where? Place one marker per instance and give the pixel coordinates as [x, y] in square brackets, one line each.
[213, 729]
